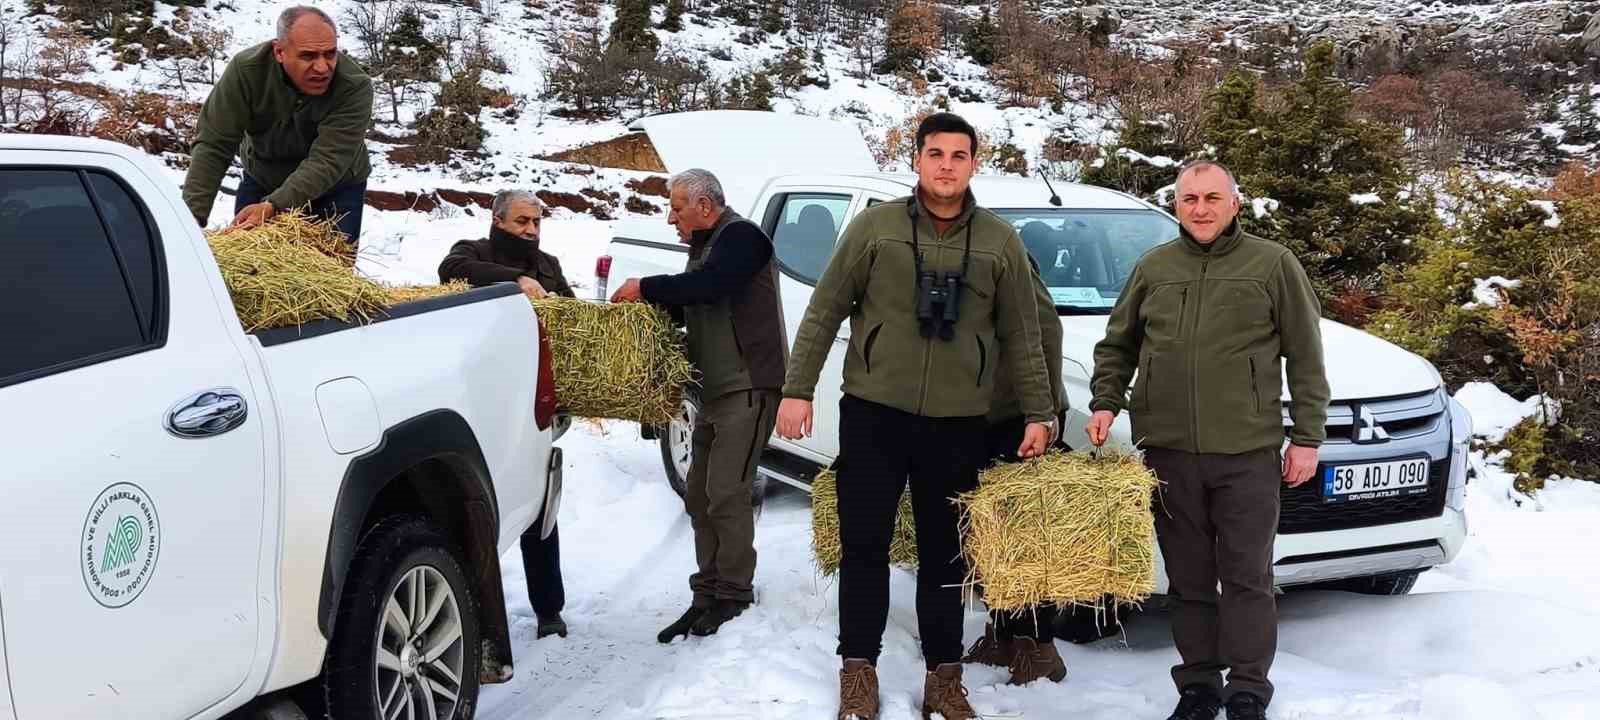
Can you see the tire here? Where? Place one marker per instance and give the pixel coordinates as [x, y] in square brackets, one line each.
[1080, 626]
[675, 439]
[408, 597]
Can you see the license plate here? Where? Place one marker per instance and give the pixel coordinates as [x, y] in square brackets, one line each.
[1374, 481]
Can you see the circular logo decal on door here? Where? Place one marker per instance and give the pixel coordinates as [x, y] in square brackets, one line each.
[121, 540]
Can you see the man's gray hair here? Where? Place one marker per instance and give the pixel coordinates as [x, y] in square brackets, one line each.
[1198, 165]
[288, 18]
[700, 183]
[504, 198]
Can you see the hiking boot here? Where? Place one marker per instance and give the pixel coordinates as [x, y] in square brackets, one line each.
[944, 694]
[1197, 702]
[1034, 660]
[989, 649]
[552, 625]
[1245, 706]
[858, 691]
[720, 612]
[680, 627]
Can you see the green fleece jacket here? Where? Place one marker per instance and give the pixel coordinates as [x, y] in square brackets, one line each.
[1006, 404]
[1209, 330]
[871, 278]
[297, 146]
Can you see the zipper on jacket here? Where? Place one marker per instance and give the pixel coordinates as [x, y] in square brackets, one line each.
[1183, 306]
[927, 350]
[983, 359]
[1194, 393]
[866, 351]
[1255, 393]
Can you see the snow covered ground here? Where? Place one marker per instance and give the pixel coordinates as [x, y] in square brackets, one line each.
[1509, 631]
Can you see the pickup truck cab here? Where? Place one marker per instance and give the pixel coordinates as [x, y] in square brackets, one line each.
[197, 517]
[803, 179]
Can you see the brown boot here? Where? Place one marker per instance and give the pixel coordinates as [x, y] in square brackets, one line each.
[858, 691]
[990, 649]
[1033, 660]
[943, 693]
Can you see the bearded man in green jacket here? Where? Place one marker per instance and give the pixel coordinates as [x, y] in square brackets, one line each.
[296, 112]
[1208, 321]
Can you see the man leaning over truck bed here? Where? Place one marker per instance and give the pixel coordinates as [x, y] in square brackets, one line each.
[296, 111]
[511, 254]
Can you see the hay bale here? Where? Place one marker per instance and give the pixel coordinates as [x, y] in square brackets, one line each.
[825, 527]
[397, 294]
[622, 361]
[1070, 528]
[288, 272]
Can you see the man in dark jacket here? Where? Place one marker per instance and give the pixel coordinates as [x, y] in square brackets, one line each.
[1208, 320]
[938, 290]
[511, 254]
[728, 295]
[296, 111]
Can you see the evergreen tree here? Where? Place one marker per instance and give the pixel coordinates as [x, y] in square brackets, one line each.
[1124, 165]
[979, 39]
[1313, 158]
[1584, 127]
[772, 17]
[631, 29]
[673, 22]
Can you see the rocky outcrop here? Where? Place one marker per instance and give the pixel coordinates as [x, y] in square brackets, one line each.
[1591, 36]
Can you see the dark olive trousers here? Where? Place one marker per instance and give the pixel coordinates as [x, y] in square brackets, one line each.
[1216, 518]
[729, 434]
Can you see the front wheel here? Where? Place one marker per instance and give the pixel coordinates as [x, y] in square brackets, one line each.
[1396, 583]
[405, 642]
[677, 450]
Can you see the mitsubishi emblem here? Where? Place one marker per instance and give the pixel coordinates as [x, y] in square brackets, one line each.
[1367, 430]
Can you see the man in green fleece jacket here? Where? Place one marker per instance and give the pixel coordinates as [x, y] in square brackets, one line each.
[938, 291]
[1208, 320]
[296, 112]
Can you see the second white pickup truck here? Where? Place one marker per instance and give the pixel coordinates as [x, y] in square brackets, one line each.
[196, 517]
[803, 179]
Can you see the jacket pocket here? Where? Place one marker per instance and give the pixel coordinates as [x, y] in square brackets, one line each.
[983, 359]
[1141, 384]
[1254, 379]
[866, 349]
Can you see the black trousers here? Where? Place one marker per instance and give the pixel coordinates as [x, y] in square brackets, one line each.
[541, 563]
[1001, 439]
[880, 448]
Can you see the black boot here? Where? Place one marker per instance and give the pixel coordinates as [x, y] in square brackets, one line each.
[721, 612]
[1198, 702]
[680, 627]
[552, 625]
[1244, 706]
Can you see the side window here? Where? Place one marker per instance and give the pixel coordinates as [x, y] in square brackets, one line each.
[808, 225]
[63, 298]
[133, 236]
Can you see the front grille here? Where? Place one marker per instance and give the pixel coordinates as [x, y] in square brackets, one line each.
[1400, 417]
[1301, 509]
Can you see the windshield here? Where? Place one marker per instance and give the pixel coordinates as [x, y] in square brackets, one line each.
[1086, 256]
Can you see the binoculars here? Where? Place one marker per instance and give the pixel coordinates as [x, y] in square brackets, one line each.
[938, 303]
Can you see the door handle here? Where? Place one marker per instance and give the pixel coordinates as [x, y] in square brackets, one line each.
[207, 413]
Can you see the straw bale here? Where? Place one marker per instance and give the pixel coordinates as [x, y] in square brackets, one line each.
[1065, 527]
[621, 361]
[825, 526]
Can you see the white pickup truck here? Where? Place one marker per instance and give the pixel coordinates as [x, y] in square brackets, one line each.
[803, 179]
[201, 521]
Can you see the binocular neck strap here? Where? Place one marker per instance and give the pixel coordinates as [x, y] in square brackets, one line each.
[916, 249]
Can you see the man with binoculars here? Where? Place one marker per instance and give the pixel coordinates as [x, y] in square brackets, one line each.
[937, 290]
